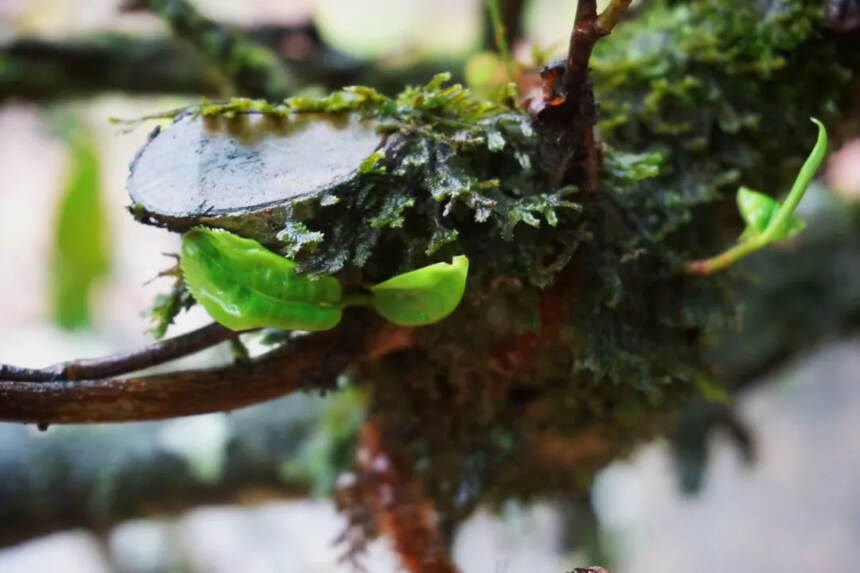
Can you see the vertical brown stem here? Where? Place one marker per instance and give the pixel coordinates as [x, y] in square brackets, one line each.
[582, 39]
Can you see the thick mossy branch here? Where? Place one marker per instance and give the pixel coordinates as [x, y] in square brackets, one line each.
[694, 100]
[575, 317]
[577, 337]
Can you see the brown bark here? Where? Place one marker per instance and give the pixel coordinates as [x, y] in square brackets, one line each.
[114, 365]
[175, 394]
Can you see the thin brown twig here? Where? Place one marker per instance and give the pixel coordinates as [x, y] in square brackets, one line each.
[309, 359]
[117, 364]
[582, 39]
[588, 28]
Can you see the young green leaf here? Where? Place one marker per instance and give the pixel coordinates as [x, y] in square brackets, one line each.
[422, 296]
[767, 220]
[243, 285]
[757, 209]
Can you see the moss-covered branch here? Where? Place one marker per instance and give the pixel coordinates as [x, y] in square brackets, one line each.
[577, 338]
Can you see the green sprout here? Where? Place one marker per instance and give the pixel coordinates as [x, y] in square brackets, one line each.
[766, 219]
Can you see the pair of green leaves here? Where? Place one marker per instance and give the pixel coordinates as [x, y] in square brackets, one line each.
[243, 285]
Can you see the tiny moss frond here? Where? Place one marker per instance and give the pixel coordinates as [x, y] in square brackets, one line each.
[167, 307]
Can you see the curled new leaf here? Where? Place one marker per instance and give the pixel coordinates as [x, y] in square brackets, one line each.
[422, 296]
[757, 209]
[243, 285]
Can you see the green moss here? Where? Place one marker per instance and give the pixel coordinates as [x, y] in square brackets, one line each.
[167, 307]
[724, 91]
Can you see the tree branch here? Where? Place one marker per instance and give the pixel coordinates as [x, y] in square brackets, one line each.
[114, 365]
[249, 67]
[588, 28]
[311, 361]
[46, 70]
[582, 39]
[569, 107]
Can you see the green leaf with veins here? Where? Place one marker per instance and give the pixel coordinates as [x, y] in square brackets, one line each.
[243, 285]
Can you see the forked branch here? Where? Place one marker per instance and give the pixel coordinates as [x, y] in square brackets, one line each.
[588, 28]
[312, 361]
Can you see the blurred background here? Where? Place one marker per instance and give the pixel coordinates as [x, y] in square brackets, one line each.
[63, 206]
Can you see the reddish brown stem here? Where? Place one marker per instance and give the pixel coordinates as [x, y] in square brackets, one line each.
[568, 106]
[117, 364]
[584, 35]
[386, 493]
[176, 394]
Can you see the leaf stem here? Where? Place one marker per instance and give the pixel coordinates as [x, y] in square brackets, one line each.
[356, 300]
[804, 178]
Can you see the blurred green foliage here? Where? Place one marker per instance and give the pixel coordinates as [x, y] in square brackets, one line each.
[81, 253]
